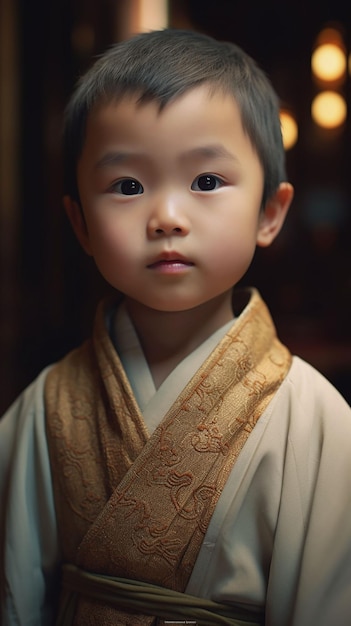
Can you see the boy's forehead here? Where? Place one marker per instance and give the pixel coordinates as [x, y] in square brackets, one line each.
[192, 101]
[200, 124]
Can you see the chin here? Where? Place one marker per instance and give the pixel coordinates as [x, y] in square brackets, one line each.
[175, 305]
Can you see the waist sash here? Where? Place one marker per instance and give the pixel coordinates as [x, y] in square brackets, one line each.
[137, 507]
[171, 606]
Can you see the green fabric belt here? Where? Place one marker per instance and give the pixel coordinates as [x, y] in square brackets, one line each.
[148, 599]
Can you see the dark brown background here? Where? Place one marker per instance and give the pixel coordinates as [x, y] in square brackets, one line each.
[49, 289]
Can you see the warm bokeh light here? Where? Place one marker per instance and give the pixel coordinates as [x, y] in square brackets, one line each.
[145, 15]
[289, 129]
[329, 109]
[328, 62]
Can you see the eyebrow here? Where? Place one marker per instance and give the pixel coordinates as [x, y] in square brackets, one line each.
[114, 158]
[217, 151]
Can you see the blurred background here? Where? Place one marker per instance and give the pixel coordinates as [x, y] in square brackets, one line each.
[49, 289]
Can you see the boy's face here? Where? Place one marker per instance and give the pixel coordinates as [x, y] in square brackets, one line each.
[171, 199]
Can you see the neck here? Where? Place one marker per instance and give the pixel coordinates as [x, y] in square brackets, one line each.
[167, 337]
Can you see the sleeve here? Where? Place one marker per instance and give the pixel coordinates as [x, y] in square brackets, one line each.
[280, 536]
[28, 536]
[314, 527]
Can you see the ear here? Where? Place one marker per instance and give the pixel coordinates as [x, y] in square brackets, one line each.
[274, 214]
[76, 217]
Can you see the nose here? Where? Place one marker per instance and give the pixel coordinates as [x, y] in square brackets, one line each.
[168, 219]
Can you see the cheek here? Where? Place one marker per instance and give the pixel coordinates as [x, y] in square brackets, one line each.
[109, 254]
[106, 237]
[233, 253]
[236, 234]
[233, 250]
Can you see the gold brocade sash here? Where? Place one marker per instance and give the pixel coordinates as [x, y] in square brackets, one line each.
[134, 506]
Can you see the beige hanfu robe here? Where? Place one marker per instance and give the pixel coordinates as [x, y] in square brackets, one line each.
[134, 505]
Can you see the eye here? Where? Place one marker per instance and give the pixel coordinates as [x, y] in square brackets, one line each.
[128, 187]
[206, 182]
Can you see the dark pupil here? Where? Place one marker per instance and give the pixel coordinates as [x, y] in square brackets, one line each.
[207, 183]
[130, 187]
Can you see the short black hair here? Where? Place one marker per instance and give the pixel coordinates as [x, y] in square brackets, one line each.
[163, 65]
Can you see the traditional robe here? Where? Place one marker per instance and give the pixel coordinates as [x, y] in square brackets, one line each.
[138, 507]
[279, 535]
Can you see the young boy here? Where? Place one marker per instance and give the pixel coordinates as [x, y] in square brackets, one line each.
[181, 466]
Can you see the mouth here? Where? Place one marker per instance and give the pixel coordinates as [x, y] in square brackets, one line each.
[169, 262]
